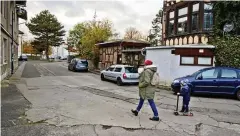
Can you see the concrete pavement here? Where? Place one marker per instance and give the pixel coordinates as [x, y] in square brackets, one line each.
[82, 104]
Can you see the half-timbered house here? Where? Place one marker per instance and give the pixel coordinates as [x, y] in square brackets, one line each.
[186, 30]
[121, 52]
[187, 22]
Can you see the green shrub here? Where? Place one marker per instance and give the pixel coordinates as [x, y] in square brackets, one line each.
[227, 52]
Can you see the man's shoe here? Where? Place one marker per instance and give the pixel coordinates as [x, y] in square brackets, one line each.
[135, 112]
[154, 118]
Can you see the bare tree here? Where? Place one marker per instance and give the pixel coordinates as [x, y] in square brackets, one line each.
[133, 33]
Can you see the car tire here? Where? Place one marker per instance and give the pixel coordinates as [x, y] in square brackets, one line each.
[119, 82]
[74, 69]
[102, 77]
[238, 94]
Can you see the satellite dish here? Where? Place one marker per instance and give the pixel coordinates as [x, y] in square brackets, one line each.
[143, 51]
[228, 27]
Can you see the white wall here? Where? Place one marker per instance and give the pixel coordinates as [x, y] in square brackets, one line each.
[20, 45]
[169, 65]
[59, 51]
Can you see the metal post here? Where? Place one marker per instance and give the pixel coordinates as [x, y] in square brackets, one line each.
[21, 46]
[12, 67]
[68, 50]
[57, 52]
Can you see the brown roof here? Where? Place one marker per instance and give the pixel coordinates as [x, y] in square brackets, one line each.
[123, 40]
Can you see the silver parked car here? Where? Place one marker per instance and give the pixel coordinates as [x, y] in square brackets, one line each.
[122, 74]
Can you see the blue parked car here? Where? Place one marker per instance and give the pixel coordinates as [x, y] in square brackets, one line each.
[77, 64]
[214, 80]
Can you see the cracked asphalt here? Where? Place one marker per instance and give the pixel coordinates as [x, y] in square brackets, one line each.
[69, 103]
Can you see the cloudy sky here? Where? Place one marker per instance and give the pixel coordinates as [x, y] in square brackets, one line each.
[123, 13]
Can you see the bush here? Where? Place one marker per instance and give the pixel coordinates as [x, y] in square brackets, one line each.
[227, 52]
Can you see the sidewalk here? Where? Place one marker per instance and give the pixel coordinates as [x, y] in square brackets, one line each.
[13, 106]
[13, 103]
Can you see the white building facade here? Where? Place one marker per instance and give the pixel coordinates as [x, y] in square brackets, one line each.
[60, 51]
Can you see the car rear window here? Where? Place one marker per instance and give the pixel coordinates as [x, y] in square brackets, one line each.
[131, 70]
[82, 62]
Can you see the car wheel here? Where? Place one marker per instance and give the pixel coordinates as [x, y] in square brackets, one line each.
[119, 82]
[102, 77]
[74, 69]
[238, 94]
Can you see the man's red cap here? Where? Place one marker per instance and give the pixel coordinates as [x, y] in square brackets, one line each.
[148, 62]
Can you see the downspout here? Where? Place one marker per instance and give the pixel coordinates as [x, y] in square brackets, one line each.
[11, 47]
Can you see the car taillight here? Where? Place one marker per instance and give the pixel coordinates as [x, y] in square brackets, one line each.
[124, 75]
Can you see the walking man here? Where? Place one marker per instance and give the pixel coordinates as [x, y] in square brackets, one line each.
[147, 90]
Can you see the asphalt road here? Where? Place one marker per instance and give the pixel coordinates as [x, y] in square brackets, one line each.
[66, 103]
[30, 71]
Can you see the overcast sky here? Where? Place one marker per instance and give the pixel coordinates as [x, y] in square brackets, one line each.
[123, 13]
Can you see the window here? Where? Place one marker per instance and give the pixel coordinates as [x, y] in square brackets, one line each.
[5, 9]
[1, 7]
[187, 60]
[110, 69]
[204, 60]
[227, 73]
[171, 27]
[4, 51]
[131, 70]
[195, 17]
[171, 23]
[182, 20]
[208, 17]
[82, 62]
[196, 60]
[195, 7]
[1, 49]
[118, 70]
[182, 25]
[212, 73]
[182, 11]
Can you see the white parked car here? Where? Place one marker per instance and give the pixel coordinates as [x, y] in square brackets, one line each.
[122, 74]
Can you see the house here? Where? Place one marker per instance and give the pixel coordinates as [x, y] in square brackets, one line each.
[186, 22]
[11, 11]
[180, 60]
[186, 30]
[20, 41]
[60, 51]
[121, 51]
